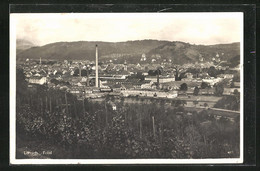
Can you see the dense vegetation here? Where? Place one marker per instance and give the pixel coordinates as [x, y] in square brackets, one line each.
[229, 102]
[87, 129]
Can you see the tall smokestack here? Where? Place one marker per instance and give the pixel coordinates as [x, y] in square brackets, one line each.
[97, 66]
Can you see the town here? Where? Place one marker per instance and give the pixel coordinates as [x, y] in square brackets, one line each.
[200, 84]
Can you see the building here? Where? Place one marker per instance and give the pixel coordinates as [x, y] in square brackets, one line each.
[237, 84]
[147, 85]
[226, 76]
[189, 75]
[149, 93]
[77, 90]
[207, 91]
[143, 58]
[212, 81]
[37, 80]
[125, 66]
[161, 78]
[230, 91]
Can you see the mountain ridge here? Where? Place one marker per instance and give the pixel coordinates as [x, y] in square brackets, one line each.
[179, 52]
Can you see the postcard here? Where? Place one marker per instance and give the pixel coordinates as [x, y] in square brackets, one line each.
[126, 88]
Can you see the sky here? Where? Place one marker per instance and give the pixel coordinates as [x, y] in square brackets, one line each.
[194, 28]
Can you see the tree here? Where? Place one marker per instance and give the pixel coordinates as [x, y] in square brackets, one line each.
[89, 71]
[183, 102]
[212, 71]
[232, 85]
[158, 71]
[236, 93]
[228, 102]
[204, 85]
[54, 81]
[182, 75]
[184, 87]
[178, 103]
[236, 77]
[76, 72]
[219, 89]
[196, 91]
[21, 83]
[58, 73]
[152, 73]
[140, 76]
[178, 71]
[195, 102]
[84, 72]
[237, 96]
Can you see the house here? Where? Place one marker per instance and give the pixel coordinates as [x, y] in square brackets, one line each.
[143, 58]
[190, 90]
[162, 79]
[37, 80]
[77, 90]
[237, 84]
[189, 75]
[127, 86]
[187, 79]
[212, 81]
[226, 76]
[170, 95]
[207, 91]
[230, 91]
[117, 87]
[103, 84]
[150, 93]
[147, 85]
[170, 86]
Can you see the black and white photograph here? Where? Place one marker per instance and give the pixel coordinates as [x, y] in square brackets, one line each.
[126, 88]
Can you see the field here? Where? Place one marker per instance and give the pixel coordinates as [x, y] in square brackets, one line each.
[51, 120]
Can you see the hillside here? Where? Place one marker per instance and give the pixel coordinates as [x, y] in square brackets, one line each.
[178, 52]
[181, 52]
[86, 50]
[22, 45]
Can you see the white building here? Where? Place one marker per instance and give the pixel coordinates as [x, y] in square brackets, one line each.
[147, 85]
[143, 58]
[37, 80]
[161, 79]
[212, 81]
[228, 76]
[145, 93]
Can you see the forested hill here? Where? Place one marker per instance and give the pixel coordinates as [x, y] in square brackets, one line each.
[22, 45]
[179, 52]
[86, 50]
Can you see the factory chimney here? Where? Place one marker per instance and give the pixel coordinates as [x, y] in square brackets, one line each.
[97, 66]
